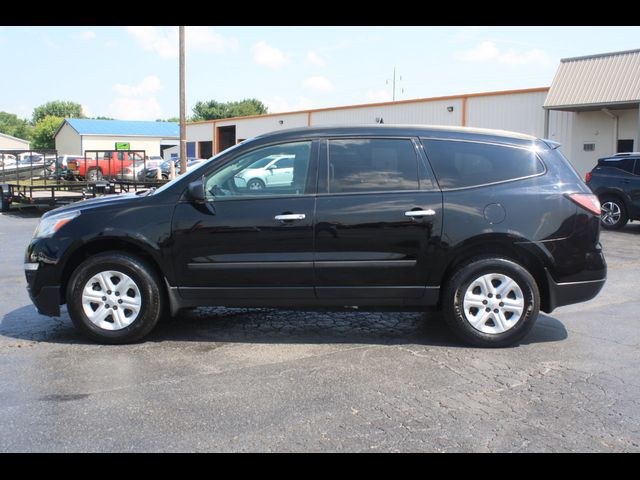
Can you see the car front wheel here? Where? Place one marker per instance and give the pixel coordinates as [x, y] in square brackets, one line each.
[114, 298]
[491, 302]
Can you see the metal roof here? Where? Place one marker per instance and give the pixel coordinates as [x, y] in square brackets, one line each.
[124, 127]
[596, 81]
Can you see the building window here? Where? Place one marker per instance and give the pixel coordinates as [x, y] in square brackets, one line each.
[589, 147]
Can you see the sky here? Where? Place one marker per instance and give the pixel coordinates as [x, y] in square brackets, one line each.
[131, 73]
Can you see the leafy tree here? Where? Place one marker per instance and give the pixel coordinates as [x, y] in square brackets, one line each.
[14, 126]
[172, 119]
[57, 108]
[213, 110]
[44, 131]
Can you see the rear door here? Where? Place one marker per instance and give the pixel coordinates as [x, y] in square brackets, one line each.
[378, 218]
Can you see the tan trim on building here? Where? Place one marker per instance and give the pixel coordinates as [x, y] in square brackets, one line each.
[464, 111]
[380, 104]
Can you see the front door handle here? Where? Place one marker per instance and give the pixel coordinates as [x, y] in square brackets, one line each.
[290, 216]
[420, 213]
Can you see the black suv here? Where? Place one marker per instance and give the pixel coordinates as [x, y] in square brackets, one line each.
[616, 182]
[488, 226]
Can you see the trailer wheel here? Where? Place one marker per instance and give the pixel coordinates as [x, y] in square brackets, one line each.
[94, 175]
[5, 204]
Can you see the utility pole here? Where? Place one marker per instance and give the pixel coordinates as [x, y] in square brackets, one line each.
[183, 127]
[394, 84]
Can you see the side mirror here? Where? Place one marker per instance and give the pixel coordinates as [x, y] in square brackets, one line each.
[195, 191]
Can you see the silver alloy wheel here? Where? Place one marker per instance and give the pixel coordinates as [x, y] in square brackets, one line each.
[610, 213]
[111, 300]
[255, 185]
[493, 303]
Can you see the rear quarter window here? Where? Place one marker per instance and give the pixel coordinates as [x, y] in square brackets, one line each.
[623, 164]
[461, 164]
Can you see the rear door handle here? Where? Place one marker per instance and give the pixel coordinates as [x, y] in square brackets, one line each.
[290, 216]
[420, 213]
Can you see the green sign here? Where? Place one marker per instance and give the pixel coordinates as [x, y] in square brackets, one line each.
[123, 146]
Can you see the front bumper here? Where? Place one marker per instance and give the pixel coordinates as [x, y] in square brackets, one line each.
[46, 298]
[47, 301]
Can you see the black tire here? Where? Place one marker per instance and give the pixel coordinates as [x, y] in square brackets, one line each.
[151, 293]
[614, 203]
[453, 309]
[5, 204]
[94, 175]
[259, 184]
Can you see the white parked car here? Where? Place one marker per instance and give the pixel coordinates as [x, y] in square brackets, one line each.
[134, 170]
[274, 171]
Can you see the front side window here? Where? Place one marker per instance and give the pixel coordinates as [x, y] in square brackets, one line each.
[460, 164]
[372, 165]
[273, 170]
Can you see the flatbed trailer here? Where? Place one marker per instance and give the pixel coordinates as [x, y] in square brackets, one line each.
[35, 183]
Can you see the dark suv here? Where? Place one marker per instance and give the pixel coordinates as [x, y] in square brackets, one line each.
[616, 182]
[488, 226]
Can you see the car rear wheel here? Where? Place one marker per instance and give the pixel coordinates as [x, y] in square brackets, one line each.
[491, 302]
[614, 215]
[114, 298]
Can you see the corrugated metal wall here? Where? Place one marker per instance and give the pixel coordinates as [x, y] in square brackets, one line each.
[251, 127]
[520, 112]
[427, 113]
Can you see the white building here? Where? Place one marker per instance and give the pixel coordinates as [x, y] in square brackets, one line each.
[591, 108]
[77, 135]
[7, 142]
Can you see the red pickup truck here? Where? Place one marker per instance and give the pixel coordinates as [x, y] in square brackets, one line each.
[95, 169]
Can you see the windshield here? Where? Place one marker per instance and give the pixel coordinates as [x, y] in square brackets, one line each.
[198, 168]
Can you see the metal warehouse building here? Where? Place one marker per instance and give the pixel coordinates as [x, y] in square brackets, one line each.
[7, 142]
[77, 135]
[591, 108]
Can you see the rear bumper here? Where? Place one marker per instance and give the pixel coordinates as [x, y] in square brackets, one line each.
[561, 294]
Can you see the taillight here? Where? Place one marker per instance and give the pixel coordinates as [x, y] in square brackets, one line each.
[587, 177]
[588, 201]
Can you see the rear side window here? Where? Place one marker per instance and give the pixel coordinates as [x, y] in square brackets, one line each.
[372, 165]
[624, 164]
[467, 164]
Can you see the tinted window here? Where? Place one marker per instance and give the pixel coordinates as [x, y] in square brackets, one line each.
[372, 165]
[467, 164]
[637, 170]
[624, 164]
[240, 177]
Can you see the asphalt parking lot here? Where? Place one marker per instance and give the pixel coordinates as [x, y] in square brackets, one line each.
[267, 380]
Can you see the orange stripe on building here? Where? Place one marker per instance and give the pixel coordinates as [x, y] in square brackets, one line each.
[383, 104]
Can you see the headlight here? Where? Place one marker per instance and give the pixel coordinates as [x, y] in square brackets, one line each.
[50, 225]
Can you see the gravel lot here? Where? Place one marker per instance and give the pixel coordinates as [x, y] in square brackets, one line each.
[267, 380]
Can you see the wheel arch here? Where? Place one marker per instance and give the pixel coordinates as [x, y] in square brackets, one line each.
[101, 245]
[527, 254]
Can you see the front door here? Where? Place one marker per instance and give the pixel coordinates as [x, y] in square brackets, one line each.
[248, 244]
[378, 218]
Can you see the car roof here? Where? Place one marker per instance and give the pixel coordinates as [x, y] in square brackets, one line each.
[432, 131]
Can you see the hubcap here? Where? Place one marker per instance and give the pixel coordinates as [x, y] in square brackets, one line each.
[493, 303]
[111, 300]
[610, 213]
[255, 186]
